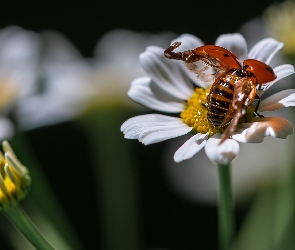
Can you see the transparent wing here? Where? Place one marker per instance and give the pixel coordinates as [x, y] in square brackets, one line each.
[206, 69]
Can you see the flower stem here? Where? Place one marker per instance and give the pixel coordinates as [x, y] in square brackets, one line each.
[225, 213]
[21, 221]
[42, 198]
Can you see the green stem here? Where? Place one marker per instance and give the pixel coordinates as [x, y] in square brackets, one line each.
[42, 198]
[225, 213]
[21, 221]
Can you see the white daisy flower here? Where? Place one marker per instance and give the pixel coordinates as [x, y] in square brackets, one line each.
[19, 53]
[116, 64]
[169, 87]
[73, 84]
[63, 89]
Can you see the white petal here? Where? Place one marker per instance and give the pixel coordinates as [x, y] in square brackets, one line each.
[166, 73]
[281, 71]
[6, 129]
[259, 128]
[235, 43]
[188, 42]
[285, 98]
[190, 147]
[158, 134]
[150, 95]
[154, 128]
[265, 50]
[149, 118]
[221, 154]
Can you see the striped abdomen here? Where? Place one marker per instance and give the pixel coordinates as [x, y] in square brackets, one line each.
[220, 99]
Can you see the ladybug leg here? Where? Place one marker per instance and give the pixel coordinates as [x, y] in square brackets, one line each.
[168, 53]
[186, 56]
[257, 106]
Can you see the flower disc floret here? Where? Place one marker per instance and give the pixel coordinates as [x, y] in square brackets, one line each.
[195, 114]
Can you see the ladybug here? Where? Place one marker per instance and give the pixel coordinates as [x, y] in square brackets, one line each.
[234, 84]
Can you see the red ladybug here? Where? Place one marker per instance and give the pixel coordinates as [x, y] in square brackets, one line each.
[234, 87]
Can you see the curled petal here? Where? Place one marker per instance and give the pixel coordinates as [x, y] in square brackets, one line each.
[235, 43]
[255, 131]
[221, 154]
[154, 128]
[166, 74]
[265, 50]
[190, 147]
[144, 92]
[285, 98]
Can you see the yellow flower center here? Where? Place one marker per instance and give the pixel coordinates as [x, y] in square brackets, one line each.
[14, 178]
[195, 114]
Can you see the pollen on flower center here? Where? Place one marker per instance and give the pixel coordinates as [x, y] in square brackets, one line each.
[195, 114]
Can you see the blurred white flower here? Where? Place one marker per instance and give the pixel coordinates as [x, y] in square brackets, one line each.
[116, 63]
[73, 84]
[62, 85]
[19, 54]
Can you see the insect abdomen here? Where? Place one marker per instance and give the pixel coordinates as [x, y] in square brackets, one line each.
[219, 101]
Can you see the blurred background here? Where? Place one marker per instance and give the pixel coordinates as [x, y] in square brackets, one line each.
[115, 193]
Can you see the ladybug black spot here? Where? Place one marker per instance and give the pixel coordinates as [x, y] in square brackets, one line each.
[226, 55]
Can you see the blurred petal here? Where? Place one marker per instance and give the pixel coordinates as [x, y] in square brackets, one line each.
[235, 43]
[18, 46]
[259, 128]
[143, 92]
[154, 128]
[6, 129]
[285, 98]
[265, 50]
[58, 49]
[19, 55]
[65, 96]
[190, 147]
[221, 154]
[166, 74]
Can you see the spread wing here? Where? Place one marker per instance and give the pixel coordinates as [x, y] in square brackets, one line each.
[206, 62]
[206, 69]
